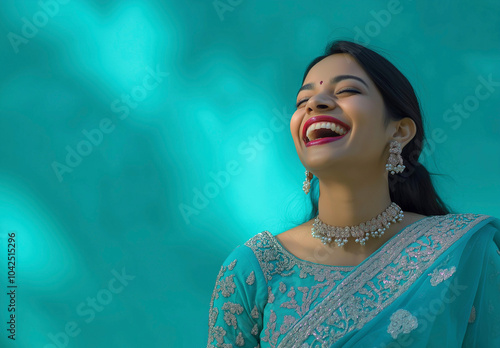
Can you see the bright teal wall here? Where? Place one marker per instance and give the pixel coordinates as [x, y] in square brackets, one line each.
[212, 96]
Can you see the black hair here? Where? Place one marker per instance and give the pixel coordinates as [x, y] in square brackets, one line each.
[412, 189]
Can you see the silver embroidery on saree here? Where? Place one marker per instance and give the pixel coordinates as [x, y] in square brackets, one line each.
[440, 275]
[402, 321]
[374, 285]
[278, 264]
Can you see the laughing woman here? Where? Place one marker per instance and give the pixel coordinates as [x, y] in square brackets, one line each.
[381, 262]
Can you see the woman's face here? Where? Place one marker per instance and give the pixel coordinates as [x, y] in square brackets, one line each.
[351, 130]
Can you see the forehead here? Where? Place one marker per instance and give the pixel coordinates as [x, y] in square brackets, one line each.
[336, 64]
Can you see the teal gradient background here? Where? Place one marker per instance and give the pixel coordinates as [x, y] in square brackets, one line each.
[183, 97]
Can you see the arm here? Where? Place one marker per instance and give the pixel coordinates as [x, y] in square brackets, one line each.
[238, 301]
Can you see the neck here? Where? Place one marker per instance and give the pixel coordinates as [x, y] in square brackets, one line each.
[349, 204]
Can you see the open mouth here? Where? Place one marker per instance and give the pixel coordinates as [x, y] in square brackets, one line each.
[324, 130]
[325, 127]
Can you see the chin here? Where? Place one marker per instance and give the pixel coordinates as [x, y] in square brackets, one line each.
[321, 161]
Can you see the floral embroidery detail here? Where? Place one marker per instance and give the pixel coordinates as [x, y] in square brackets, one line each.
[216, 332]
[271, 333]
[227, 286]
[255, 330]
[255, 312]
[271, 295]
[472, 316]
[226, 317]
[219, 333]
[287, 324]
[275, 260]
[277, 263]
[373, 286]
[251, 278]
[322, 274]
[342, 304]
[230, 309]
[402, 321]
[440, 275]
[231, 265]
[240, 341]
[217, 284]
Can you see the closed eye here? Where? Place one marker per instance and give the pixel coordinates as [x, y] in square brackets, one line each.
[339, 92]
[302, 101]
[348, 90]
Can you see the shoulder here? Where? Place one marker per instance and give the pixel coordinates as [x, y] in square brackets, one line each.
[260, 240]
[240, 273]
[273, 261]
[264, 247]
[241, 258]
[464, 221]
[250, 256]
[451, 228]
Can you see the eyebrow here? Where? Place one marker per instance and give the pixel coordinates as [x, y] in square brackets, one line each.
[336, 79]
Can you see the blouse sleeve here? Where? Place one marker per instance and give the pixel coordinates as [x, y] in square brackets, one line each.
[484, 323]
[238, 299]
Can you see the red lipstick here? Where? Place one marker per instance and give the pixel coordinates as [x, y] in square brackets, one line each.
[322, 118]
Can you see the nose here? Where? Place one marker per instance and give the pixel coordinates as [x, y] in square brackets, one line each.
[320, 102]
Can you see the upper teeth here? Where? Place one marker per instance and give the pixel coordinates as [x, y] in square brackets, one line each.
[327, 125]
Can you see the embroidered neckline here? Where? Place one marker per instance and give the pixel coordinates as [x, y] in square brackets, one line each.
[300, 261]
[335, 267]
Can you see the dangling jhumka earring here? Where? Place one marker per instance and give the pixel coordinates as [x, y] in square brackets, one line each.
[307, 182]
[395, 162]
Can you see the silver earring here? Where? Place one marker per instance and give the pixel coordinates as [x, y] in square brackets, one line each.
[307, 182]
[395, 162]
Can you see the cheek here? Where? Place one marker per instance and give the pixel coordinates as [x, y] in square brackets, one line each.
[367, 116]
[295, 122]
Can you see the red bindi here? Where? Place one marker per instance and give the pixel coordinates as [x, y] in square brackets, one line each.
[320, 82]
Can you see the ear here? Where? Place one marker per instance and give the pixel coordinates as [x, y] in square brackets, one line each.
[404, 130]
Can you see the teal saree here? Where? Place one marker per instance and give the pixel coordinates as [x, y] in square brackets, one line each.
[434, 284]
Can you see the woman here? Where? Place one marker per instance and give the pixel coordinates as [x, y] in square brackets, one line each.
[405, 273]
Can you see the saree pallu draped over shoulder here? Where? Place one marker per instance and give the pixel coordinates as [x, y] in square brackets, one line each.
[434, 284]
[418, 291]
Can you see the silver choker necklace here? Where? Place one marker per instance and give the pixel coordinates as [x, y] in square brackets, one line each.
[372, 228]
